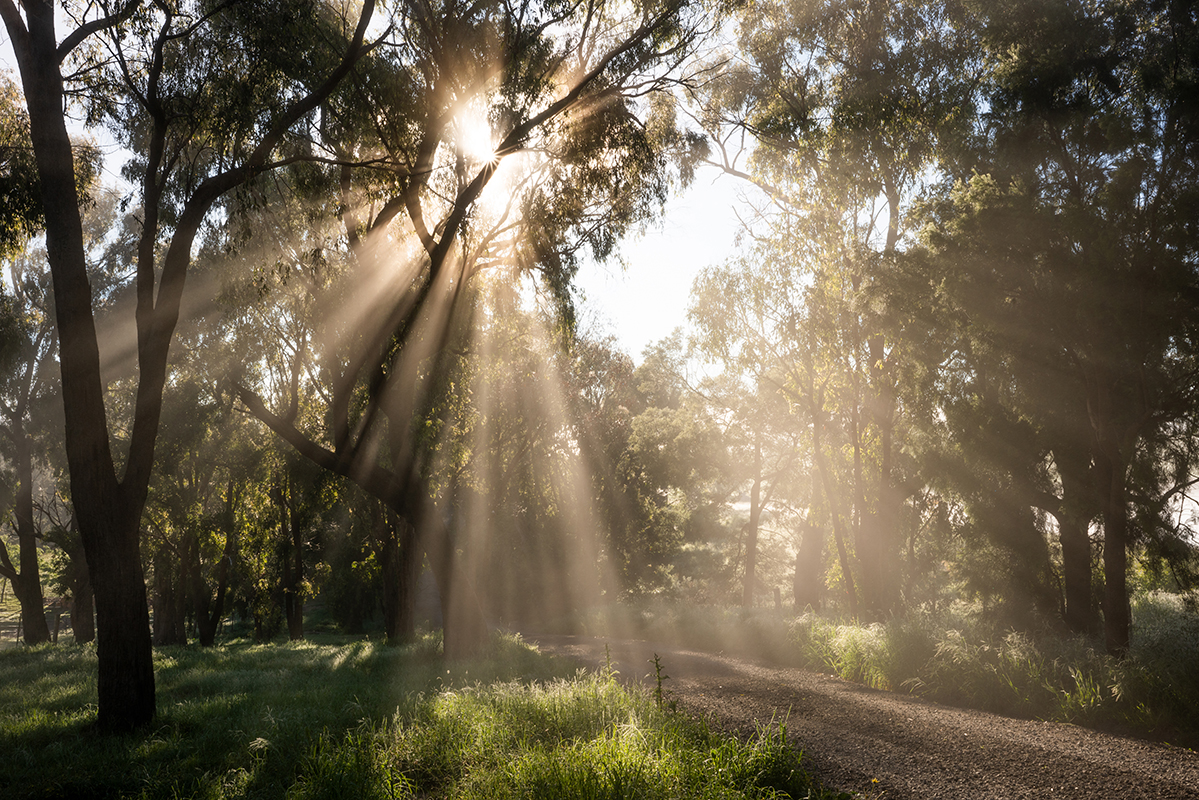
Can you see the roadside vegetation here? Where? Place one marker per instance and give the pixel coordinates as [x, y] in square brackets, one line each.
[961, 656]
[362, 720]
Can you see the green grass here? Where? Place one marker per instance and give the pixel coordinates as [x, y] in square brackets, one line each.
[363, 720]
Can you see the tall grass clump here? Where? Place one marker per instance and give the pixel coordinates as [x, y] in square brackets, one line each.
[362, 720]
[587, 737]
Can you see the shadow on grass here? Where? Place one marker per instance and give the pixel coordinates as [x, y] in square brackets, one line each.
[235, 720]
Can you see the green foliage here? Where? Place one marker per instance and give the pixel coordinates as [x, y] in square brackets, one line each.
[20, 199]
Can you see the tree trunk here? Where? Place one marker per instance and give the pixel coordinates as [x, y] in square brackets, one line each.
[169, 591]
[1073, 515]
[830, 493]
[1117, 619]
[83, 610]
[125, 683]
[411, 561]
[399, 561]
[751, 535]
[464, 630]
[809, 557]
[465, 627]
[880, 573]
[27, 580]
[209, 609]
[292, 558]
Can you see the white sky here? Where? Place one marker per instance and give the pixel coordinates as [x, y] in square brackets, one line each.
[646, 301]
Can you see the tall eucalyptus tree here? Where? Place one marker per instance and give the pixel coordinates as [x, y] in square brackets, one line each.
[206, 97]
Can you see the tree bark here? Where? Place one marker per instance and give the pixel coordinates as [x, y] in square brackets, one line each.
[292, 558]
[83, 622]
[1072, 521]
[399, 561]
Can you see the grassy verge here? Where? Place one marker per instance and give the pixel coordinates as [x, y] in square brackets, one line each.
[363, 720]
[959, 658]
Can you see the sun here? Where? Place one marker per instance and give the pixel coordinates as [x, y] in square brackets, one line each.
[474, 137]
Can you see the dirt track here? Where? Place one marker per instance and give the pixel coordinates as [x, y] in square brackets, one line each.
[893, 746]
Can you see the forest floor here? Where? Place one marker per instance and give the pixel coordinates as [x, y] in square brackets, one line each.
[886, 745]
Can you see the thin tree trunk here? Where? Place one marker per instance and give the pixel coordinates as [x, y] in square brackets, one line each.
[463, 628]
[830, 494]
[170, 587]
[751, 538]
[809, 556]
[411, 561]
[209, 608]
[1072, 520]
[399, 560]
[388, 551]
[26, 581]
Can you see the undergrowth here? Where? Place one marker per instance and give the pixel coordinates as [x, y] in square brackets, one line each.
[957, 656]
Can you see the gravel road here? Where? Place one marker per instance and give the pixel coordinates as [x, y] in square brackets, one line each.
[885, 745]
